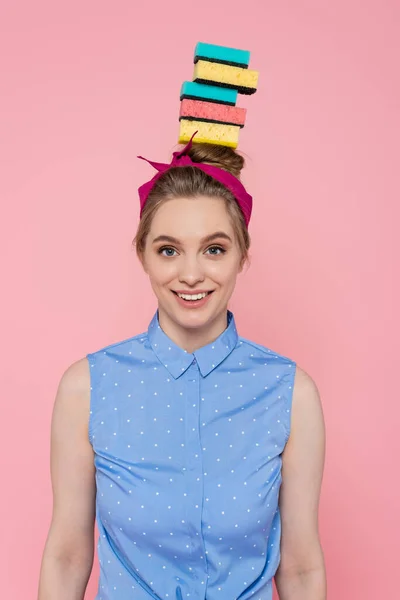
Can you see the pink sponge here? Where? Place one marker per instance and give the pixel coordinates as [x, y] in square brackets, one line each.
[200, 110]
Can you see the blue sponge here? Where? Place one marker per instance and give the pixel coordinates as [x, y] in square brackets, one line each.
[212, 93]
[222, 54]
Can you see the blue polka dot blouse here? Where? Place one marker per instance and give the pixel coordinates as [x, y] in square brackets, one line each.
[188, 461]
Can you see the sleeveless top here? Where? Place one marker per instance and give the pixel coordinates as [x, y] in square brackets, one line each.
[187, 452]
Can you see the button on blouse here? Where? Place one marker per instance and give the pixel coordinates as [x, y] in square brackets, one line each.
[187, 451]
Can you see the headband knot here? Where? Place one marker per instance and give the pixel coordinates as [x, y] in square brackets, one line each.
[182, 159]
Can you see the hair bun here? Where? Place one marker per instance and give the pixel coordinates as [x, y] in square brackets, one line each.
[218, 156]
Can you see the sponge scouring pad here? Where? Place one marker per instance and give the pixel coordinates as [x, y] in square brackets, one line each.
[243, 80]
[209, 133]
[212, 93]
[212, 112]
[222, 54]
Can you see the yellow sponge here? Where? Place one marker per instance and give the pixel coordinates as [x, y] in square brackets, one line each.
[209, 133]
[243, 80]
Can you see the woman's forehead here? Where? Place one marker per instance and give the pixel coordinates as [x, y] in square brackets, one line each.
[191, 216]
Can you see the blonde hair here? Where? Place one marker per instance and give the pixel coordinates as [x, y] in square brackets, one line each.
[189, 182]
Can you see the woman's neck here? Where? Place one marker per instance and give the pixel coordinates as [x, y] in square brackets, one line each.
[193, 338]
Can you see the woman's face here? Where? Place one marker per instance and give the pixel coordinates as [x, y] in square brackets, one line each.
[191, 249]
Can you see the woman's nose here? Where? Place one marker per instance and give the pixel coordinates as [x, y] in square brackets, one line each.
[191, 271]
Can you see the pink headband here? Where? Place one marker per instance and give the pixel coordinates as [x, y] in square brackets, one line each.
[181, 159]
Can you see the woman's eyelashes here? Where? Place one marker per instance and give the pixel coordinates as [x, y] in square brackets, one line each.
[220, 250]
[168, 251]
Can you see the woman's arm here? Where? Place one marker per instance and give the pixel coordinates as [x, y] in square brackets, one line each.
[68, 554]
[301, 573]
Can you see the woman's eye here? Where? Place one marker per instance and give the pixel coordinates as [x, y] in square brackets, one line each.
[215, 250]
[166, 251]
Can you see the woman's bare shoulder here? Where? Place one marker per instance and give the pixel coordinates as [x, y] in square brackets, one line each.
[77, 375]
[307, 409]
[305, 386]
[73, 394]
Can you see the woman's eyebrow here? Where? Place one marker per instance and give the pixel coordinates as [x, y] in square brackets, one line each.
[208, 238]
[217, 234]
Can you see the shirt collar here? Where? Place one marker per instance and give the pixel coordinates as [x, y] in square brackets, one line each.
[177, 360]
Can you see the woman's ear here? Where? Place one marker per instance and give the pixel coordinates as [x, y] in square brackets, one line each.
[242, 263]
[140, 256]
[142, 262]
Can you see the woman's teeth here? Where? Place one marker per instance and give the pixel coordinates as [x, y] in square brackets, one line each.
[193, 297]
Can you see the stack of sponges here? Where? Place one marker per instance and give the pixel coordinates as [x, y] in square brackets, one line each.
[208, 103]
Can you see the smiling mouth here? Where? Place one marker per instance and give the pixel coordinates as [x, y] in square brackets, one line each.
[193, 297]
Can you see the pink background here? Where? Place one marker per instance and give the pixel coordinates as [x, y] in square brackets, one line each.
[85, 87]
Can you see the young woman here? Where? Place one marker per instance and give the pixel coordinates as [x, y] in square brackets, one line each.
[200, 452]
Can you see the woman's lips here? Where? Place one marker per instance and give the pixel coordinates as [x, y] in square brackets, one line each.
[193, 303]
[192, 292]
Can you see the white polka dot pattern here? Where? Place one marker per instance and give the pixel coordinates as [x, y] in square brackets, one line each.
[188, 466]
